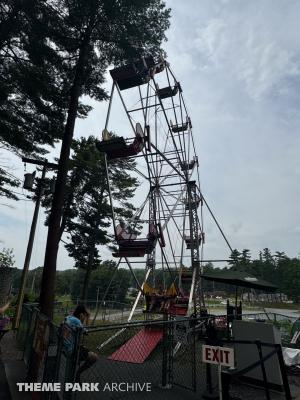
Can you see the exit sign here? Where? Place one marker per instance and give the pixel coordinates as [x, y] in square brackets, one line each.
[218, 355]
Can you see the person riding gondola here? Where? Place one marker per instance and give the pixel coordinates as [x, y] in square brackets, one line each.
[131, 246]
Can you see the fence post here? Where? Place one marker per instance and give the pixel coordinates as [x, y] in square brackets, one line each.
[193, 348]
[73, 363]
[263, 369]
[58, 358]
[164, 380]
[210, 393]
[285, 381]
[225, 381]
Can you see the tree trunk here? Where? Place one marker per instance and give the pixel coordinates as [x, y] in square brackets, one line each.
[49, 272]
[84, 293]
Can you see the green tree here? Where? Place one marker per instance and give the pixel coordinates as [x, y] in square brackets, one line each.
[90, 35]
[235, 259]
[32, 100]
[279, 256]
[7, 258]
[268, 264]
[87, 211]
[245, 260]
[267, 256]
[100, 278]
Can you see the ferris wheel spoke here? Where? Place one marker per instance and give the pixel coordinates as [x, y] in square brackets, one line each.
[167, 160]
[171, 211]
[127, 112]
[165, 258]
[174, 108]
[134, 275]
[168, 123]
[167, 229]
[109, 105]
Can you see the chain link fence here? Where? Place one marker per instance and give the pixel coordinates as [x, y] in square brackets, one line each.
[154, 359]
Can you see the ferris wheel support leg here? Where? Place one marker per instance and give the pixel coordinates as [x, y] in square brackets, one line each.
[106, 291]
[109, 106]
[138, 296]
[110, 339]
[133, 274]
[130, 315]
[192, 292]
[125, 108]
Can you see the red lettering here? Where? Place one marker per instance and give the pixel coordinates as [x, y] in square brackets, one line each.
[207, 354]
[221, 355]
[226, 352]
[215, 355]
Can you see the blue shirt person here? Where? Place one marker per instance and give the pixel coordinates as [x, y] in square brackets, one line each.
[78, 320]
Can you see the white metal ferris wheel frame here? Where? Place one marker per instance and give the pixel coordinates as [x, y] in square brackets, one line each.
[168, 179]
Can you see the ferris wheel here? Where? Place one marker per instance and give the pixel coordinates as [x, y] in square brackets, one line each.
[158, 137]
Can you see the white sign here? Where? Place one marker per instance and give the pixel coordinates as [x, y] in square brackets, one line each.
[218, 355]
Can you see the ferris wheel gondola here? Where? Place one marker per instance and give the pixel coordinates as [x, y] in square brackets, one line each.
[159, 138]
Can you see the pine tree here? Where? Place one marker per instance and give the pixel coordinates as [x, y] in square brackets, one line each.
[245, 260]
[235, 259]
[92, 35]
[87, 212]
[32, 101]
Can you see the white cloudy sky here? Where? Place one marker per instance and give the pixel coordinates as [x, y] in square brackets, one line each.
[239, 64]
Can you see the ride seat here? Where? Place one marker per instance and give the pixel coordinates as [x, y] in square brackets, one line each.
[134, 74]
[125, 252]
[133, 247]
[181, 127]
[186, 166]
[168, 91]
[189, 241]
[118, 148]
[180, 307]
[122, 233]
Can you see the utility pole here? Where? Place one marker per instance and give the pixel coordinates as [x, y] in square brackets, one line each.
[97, 301]
[33, 282]
[40, 190]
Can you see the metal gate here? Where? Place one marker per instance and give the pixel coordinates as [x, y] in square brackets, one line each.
[184, 354]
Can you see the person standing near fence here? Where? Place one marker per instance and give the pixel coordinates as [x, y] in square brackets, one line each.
[79, 319]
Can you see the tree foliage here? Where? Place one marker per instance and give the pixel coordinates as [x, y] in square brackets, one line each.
[40, 47]
[89, 36]
[7, 258]
[32, 105]
[285, 273]
[87, 215]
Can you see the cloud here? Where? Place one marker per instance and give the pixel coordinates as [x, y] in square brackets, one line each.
[211, 42]
[242, 45]
[266, 70]
[238, 64]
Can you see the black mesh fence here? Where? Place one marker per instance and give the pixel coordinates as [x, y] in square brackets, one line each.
[26, 321]
[133, 360]
[140, 359]
[156, 359]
